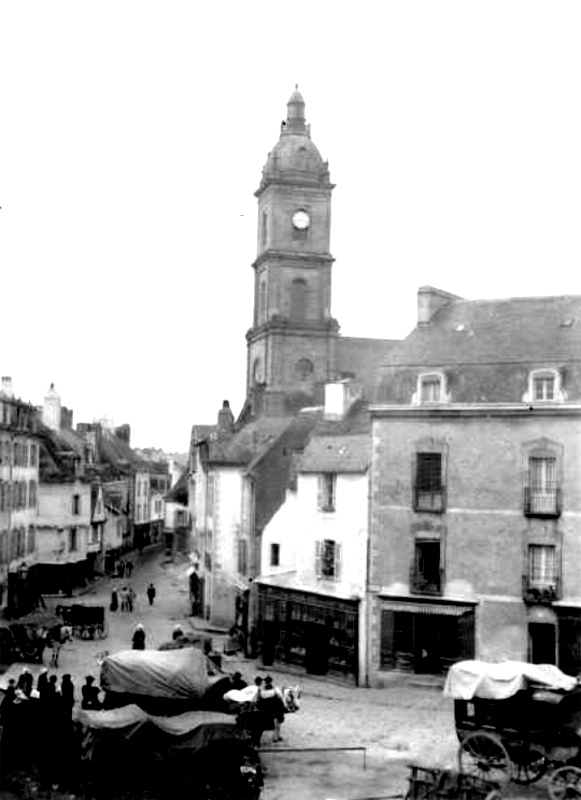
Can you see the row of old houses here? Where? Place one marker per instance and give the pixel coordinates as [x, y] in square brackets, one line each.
[73, 501]
[381, 507]
[431, 516]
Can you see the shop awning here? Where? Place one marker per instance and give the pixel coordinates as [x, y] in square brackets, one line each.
[426, 608]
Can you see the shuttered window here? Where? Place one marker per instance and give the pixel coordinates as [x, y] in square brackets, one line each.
[328, 559]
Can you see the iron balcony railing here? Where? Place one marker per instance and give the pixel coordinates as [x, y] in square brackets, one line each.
[542, 502]
[541, 592]
[432, 500]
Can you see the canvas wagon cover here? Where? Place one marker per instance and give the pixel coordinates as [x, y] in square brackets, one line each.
[498, 681]
[172, 674]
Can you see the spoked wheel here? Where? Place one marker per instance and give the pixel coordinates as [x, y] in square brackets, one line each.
[484, 756]
[565, 784]
[528, 765]
[102, 630]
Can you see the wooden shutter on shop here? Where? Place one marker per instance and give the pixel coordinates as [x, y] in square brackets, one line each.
[466, 636]
[318, 559]
[337, 564]
[386, 644]
[320, 492]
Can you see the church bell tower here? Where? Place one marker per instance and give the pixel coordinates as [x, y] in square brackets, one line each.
[292, 344]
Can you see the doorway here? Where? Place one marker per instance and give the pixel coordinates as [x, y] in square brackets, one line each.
[542, 643]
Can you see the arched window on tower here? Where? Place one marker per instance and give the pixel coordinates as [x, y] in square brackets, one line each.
[299, 299]
[264, 228]
[262, 308]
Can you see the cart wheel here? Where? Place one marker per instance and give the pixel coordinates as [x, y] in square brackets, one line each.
[102, 630]
[564, 783]
[528, 765]
[78, 631]
[484, 756]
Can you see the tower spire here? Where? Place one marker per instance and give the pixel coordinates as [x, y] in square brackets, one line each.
[295, 117]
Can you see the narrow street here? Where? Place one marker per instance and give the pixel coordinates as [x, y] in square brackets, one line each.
[392, 727]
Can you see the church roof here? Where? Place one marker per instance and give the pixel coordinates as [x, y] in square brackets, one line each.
[360, 357]
[295, 158]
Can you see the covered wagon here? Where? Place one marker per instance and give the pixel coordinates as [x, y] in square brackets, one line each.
[163, 681]
[127, 753]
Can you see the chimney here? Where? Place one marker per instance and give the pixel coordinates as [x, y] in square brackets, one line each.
[430, 301]
[51, 410]
[7, 389]
[339, 396]
[225, 419]
[123, 432]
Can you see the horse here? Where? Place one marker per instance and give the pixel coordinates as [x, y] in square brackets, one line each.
[55, 637]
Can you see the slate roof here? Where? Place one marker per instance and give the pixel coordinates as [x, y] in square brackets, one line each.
[486, 349]
[243, 445]
[337, 454]
[179, 491]
[360, 357]
[201, 432]
[489, 331]
[57, 454]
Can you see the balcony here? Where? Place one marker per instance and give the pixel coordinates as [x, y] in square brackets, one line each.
[541, 592]
[544, 503]
[433, 501]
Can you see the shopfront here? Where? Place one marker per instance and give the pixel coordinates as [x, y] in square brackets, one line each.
[317, 633]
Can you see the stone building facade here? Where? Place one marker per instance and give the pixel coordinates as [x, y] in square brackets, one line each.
[476, 487]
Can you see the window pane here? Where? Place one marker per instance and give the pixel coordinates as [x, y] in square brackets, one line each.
[430, 389]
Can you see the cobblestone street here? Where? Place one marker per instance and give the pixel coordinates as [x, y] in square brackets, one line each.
[395, 726]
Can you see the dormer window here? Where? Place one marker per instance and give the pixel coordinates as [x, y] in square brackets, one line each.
[431, 388]
[544, 386]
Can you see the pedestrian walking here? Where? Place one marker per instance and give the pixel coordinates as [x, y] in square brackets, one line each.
[67, 696]
[130, 599]
[114, 600]
[150, 591]
[90, 695]
[129, 568]
[123, 594]
[269, 699]
[138, 637]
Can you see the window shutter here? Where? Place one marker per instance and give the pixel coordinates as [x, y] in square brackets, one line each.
[337, 565]
[318, 559]
[466, 636]
[320, 491]
[386, 653]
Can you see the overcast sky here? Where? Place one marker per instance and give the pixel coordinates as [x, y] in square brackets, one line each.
[132, 138]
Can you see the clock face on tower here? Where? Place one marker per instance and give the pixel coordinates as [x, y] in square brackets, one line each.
[301, 220]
